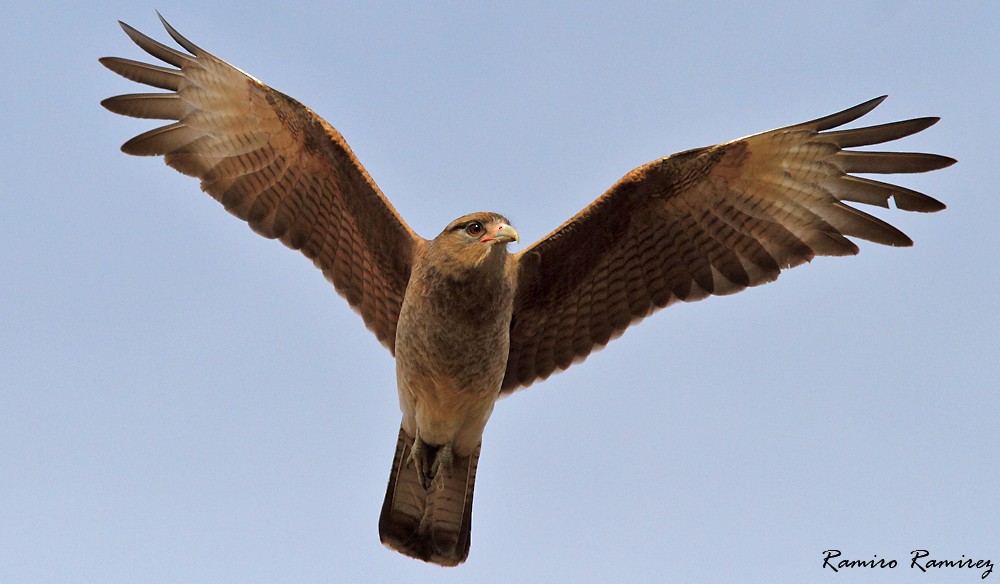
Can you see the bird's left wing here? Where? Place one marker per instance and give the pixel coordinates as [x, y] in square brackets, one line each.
[277, 165]
[707, 221]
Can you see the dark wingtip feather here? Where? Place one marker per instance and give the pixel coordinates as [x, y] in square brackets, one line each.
[880, 133]
[105, 102]
[842, 117]
[145, 73]
[946, 161]
[155, 106]
[864, 161]
[873, 192]
[181, 40]
[925, 205]
[156, 48]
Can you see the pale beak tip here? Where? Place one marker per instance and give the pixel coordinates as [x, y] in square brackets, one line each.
[506, 234]
[503, 234]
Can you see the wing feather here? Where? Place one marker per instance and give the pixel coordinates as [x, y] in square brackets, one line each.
[872, 192]
[275, 164]
[156, 48]
[890, 162]
[880, 133]
[153, 75]
[707, 221]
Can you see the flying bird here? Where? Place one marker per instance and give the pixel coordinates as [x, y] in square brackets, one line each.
[468, 321]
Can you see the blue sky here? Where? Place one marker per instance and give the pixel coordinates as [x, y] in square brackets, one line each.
[184, 401]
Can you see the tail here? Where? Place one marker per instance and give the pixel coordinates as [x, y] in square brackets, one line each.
[433, 524]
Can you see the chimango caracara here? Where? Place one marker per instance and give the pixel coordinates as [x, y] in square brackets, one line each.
[706, 221]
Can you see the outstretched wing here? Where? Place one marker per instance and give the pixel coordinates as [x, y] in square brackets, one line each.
[707, 221]
[277, 165]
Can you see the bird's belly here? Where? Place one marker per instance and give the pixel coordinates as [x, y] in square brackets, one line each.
[441, 415]
[447, 392]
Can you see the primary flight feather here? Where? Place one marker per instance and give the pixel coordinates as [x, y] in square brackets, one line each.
[468, 321]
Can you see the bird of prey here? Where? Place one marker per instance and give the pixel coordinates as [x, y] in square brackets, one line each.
[468, 321]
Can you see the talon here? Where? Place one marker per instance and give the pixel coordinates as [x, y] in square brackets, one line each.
[417, 458]
[441, 468]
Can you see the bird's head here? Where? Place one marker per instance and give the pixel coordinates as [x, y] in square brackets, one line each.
[469, 241]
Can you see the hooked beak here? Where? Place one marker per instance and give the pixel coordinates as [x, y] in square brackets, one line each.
[502, 233]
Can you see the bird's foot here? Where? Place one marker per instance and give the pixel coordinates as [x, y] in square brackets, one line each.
[441, 468]
[429, 471]
[418, 458]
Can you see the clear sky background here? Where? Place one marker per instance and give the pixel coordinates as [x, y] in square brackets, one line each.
[184, 401]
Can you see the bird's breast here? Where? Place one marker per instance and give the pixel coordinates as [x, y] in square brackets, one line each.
[451, 355]
[460, 334]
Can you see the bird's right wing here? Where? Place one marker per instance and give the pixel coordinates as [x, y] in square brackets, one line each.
[707, 221]
[277, 165]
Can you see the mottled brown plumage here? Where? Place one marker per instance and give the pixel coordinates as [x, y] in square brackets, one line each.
[451, 353]
[467, 320]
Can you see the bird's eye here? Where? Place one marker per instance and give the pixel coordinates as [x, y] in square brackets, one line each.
[474, 229]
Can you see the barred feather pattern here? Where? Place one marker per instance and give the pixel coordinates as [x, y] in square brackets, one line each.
[709, 221]
[275, 164]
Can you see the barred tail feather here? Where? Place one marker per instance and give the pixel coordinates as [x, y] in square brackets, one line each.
[433, 524]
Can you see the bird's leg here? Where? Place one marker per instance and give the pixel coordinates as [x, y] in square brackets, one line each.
[418, 458]
[441, 468]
